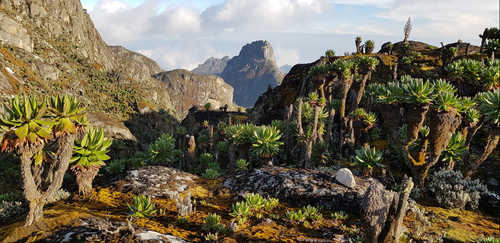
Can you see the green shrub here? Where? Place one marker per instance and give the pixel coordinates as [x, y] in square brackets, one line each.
[266, 141]
[142, 207]
[163, 150]
[222, 147]
[241, 165]
[211, 173]
[213, 223]
[490, 239]
[455, 149]
[306, 213]
[330, 53]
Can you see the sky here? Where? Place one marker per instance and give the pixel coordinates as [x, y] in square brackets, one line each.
[184, 33]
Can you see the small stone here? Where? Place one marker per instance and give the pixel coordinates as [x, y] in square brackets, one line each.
[344, 176]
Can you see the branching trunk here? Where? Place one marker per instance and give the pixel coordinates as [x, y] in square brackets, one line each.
[442, 126]
[491, 144]
[36, 196]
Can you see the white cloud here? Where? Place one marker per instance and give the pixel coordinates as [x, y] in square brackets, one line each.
[287, 56]
[178, 34]
[448, 19]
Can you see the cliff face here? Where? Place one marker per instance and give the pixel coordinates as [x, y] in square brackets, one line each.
[212, 66]
[188, 89]
[252, 72]
[52, 47]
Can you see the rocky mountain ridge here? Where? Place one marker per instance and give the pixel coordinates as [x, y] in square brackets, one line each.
[250, 73]
[212, 66]
[52, 47]
[189, 89]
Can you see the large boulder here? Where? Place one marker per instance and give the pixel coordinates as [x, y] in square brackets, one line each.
[301, 186]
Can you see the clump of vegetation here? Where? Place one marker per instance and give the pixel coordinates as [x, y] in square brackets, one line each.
[142, 207]
[213, 223]
[340, 215]
[368, 158]
[89, 154]
[241, 165]
[453, 191]
[163, 150]
[307, 213]
[27, 125]
[253, 205]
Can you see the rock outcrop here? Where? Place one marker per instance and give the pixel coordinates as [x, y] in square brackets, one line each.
[252, 72]
[49, 47]
[188, 89]
[300, 186]
[212, 66]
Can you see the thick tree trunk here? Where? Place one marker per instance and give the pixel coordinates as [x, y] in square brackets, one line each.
[33, 193]
[346, 85]
[392, 120]
[84, 179]
[36, 211]
[491, 144]
[312, 139]
[442, 126]
[361, 90]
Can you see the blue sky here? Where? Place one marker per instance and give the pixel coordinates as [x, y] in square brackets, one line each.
[184, 33]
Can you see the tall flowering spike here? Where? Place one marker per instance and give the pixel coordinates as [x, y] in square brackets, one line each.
[407, 29]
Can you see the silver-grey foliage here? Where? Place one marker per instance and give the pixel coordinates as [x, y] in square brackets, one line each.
[453, 191]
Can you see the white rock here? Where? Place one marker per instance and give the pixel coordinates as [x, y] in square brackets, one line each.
[155, 236]
[344, 176]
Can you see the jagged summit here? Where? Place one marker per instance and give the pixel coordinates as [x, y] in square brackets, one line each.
[212, 66]
[252, 72]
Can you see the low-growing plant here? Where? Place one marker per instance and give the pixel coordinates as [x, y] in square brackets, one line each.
[242, 165]
[213, 223]
[340, 215]
[241, 211]
[453, 191]
[211, 173]
[368, 158]
[489, 239]
[271, 203]
[254, 201]
[142, 207]
[212, 237]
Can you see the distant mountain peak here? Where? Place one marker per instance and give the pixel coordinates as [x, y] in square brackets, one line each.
[212, 66]
[252, 72]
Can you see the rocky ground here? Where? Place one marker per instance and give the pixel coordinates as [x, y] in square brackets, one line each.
[104, 217]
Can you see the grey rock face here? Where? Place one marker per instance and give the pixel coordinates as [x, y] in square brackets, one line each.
[345, 177]
[252, 72]
[13, 33]
[188, 89]
[212, 66]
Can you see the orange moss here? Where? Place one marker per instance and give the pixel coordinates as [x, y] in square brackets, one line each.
[25, 69]
[459, 225]
[13, 81]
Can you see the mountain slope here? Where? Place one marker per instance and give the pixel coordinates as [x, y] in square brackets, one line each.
[52, 47]
[189, 89]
